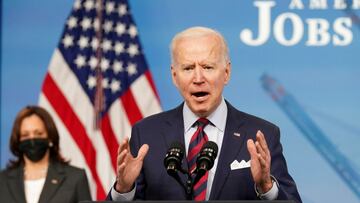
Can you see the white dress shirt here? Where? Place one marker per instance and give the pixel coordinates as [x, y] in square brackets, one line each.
[33, 189]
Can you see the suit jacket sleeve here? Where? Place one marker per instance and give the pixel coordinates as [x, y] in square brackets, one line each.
[287, 186]
[82, 187]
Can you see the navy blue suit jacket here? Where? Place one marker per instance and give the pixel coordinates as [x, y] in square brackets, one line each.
[160, 130]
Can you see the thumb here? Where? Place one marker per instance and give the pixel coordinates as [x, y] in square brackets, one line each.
[143, 151]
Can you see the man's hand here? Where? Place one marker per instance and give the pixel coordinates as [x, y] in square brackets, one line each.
[128, 167]
[260, 162]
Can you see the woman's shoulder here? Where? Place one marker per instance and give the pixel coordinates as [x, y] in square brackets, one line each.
[3, 173]
[67, 168]
[9, 172]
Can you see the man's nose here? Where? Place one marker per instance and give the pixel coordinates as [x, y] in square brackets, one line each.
[198, 75]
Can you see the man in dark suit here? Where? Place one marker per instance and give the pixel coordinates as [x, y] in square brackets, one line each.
[250, 164]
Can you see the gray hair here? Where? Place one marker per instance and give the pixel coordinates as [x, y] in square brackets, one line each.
[196, 32]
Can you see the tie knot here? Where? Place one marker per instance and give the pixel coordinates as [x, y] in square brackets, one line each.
[202, 122]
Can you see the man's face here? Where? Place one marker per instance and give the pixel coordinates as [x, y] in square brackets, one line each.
[200, 72]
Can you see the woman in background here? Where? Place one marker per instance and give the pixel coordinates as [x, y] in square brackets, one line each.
[39, 173]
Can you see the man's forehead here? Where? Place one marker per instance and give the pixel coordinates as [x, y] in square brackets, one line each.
[200, 39]
[201, 63]
[209, 58]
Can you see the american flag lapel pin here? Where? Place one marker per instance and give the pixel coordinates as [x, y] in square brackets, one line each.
[237, 134]
[54, 181]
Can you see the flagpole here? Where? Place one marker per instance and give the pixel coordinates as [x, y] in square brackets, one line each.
[98, 100]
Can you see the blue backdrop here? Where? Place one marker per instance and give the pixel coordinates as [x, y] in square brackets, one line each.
[319, 67]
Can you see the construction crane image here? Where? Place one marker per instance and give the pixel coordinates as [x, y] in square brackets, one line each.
[339, 162]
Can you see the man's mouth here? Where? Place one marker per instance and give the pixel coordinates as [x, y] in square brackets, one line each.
[200, 94]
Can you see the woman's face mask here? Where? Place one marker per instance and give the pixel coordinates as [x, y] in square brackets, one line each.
[34, 149]
[34, 141]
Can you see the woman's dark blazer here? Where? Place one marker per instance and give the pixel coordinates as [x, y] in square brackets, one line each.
[64, 183]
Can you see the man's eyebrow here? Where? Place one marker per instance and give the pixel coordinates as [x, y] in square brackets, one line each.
[186, 65]
[207, 63]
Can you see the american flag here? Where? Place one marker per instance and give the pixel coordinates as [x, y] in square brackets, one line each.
[97, 86]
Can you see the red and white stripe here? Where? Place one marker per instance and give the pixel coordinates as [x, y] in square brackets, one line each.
[73, 112]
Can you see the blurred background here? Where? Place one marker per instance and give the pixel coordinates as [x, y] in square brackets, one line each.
[312, 51]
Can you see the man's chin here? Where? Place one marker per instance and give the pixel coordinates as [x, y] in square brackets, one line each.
[201, 109]
[201, 112]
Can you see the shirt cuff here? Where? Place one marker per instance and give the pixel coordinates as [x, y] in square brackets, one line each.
[272, 194]
[116, 196]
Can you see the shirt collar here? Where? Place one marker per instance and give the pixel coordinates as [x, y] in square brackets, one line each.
[217, 118]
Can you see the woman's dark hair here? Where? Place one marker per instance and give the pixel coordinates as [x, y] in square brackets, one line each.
[50, 128]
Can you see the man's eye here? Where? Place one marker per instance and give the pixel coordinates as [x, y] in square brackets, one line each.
[188, 68]
[208, 67]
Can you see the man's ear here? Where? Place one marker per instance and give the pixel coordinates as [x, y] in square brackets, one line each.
[227, 73]
[173, 75]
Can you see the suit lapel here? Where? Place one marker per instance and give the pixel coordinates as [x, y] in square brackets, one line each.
[16, 184]
[174, 131]
[54, 178]
[174, 127]
[232, 143]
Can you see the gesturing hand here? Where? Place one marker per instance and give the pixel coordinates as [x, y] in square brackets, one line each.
[260, 162]
[128, 167]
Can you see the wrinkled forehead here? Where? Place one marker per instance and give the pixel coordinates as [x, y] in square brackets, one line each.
[199, 48]
[198, 39]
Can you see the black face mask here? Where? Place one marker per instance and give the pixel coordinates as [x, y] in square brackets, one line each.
[34, 149]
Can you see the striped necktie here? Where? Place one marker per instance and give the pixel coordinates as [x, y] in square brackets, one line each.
[197, 141]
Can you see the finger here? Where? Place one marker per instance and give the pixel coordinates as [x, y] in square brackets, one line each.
[121, 162]
[121, 157]
[126, 143]
[252, 148]
[260, 150]
[262, 161]
[253, 154]
[143, 151]
[119, 149]
[121, 168]
[123, 145]
[261, 138]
